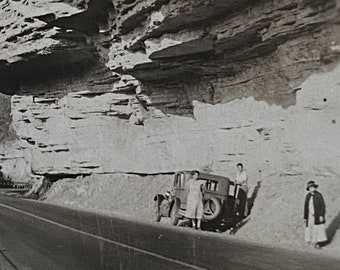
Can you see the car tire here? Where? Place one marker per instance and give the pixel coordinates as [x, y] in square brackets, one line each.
[212, 213]
[223, 227]
[174, 213]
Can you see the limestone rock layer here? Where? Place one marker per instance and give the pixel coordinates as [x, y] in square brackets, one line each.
[155, 86]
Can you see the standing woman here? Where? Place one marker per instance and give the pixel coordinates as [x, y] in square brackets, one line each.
[194, 208]
[314, 216]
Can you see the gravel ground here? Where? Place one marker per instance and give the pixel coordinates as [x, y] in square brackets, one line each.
[275, 220]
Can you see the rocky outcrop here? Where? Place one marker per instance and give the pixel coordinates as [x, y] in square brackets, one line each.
[216, 51]
[128, 88]
[84, 134]
[149, 86]
[45, 47]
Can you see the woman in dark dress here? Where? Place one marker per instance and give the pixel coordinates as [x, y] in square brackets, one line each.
[314, 216]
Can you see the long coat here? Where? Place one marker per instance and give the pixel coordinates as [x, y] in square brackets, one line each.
[319, 207]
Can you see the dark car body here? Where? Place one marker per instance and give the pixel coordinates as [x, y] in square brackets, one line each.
[218, 199]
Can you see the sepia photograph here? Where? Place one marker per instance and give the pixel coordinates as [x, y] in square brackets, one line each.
[169, 135]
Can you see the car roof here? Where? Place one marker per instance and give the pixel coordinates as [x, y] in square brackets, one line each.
[208, 176]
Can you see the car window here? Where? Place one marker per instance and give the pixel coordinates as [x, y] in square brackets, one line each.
[211, 185]
[179, 180]
[232, 190]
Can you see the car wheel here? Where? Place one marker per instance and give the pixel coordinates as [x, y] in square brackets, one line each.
[224, 226]
[212, 208]
[174, 213]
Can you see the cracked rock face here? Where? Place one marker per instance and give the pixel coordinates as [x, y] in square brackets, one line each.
[45, 42]
[216, 51]
[149, 86]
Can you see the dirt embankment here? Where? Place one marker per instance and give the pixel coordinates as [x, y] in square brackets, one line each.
[276, 216]
[128, 195]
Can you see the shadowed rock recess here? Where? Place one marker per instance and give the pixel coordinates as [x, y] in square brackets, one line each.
[154, 86]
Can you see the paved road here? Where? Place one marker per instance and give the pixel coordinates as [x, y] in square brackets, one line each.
[47, 237]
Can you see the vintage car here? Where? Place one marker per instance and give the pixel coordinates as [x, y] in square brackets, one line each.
[220, 205]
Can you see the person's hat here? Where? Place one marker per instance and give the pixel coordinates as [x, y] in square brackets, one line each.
[311, 184]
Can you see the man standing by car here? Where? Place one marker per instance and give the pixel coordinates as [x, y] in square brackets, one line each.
[242, 177]
[241, 190]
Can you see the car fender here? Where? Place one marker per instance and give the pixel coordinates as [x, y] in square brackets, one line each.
[174, 217]
[158, 197]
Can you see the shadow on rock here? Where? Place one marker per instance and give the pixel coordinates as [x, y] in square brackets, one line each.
[251, 200]
[333, 227]
[235, 229]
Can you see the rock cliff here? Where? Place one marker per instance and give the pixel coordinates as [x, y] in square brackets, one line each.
[156, 86]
